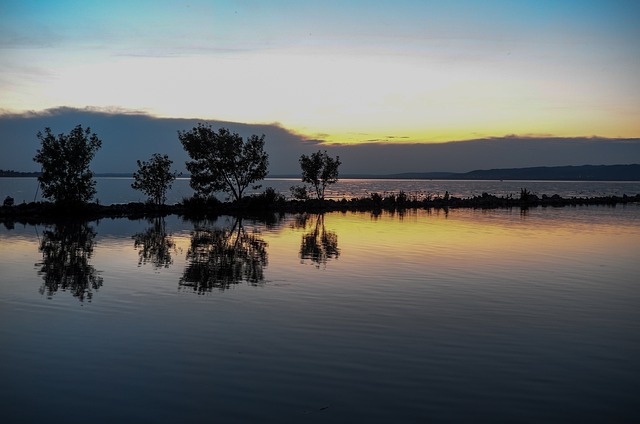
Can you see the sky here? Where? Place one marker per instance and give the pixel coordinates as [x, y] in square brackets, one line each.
[340, 72]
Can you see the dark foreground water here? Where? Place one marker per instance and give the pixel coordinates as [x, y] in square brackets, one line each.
[470, 316]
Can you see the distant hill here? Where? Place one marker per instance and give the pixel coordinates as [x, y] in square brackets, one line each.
[545, 173]
[18, 174]
[11, 173]
[555, 173]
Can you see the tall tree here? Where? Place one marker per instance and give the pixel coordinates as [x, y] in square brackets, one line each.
[319, 170]
[222, 161]
[66, 177]
[154, 178]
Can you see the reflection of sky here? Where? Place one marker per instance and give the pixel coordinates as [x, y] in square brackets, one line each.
[566, 242]
[402, 70]
[467, 235]
[481, 242]
[472, 313]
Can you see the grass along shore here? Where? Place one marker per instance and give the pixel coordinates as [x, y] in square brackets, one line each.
[273, 203]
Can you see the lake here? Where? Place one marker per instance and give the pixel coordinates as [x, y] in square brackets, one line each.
[467, 316]
[112, 190]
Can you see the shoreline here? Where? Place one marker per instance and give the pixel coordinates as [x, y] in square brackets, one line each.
[263, 206]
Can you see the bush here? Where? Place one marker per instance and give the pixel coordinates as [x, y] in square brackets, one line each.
[198, 203]
[299, 192]
[154, 178]
[264, 201]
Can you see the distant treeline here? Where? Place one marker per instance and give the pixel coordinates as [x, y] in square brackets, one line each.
[11, 173]
[548, 173]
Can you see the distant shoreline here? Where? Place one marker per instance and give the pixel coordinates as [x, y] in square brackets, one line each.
[621, 173]
[542, 173]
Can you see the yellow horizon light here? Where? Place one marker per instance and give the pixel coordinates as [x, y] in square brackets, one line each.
[336, 98]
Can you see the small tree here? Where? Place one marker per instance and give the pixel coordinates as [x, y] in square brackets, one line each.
[66, 177]
[319, 170]
[154, 178]
[221, 161]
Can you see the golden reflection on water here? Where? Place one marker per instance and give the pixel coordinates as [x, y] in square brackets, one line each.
[16, 250]
[477, 239]
[538, 243]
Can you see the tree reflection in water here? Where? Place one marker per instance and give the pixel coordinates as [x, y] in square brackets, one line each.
[66, 252]
[155, 245]
[221, 256]
[319, 245]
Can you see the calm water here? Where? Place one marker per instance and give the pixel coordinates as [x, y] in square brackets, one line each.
[493, 316]
[118, 190]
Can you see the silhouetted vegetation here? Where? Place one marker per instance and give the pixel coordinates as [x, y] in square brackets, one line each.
[299, 192]
[319, 170]
[11, 173]
[267, 201]
[220, 256]
[262, 206]
[199, 206]
[222, 162]
[66, 177]
[268, 205]
[66, 252]
[154, 245]
[154, 178]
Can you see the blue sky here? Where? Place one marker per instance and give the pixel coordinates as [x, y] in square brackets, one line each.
[343, 72]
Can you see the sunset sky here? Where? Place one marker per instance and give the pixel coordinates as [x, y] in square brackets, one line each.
[342, 72]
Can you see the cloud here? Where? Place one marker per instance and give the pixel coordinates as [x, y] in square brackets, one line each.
[130, 135]
[487, 153]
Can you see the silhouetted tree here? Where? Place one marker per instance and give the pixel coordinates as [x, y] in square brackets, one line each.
[221, 256]
[299, 192]
[66, 177]
[154, 178]
[155, 245]
[221, 161]
[66, 250]
[318, 245]
[319, 170]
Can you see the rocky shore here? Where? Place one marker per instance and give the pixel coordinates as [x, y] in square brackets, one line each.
[261, 205]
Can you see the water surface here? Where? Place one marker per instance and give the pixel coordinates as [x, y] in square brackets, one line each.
[118, 190]
[497, 316]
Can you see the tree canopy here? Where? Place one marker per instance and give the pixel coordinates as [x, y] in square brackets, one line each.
[222, 161]
[154, 177]
[65, 159]
[319, 170]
